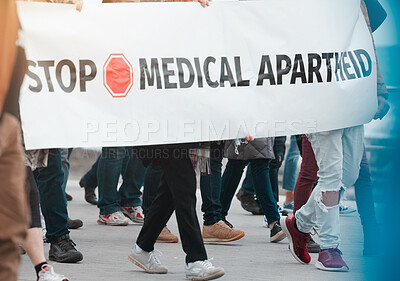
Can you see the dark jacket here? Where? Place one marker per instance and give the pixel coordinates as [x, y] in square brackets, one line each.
[262, 148]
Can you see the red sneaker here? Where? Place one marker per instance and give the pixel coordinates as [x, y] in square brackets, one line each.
[297, 240]
[331, 260]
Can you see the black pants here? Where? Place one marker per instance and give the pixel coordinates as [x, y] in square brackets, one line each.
[177, 192]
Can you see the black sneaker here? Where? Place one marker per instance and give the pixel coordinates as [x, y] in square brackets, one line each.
[313, 247]
[276, 233]
[74, 224]
[63, 250]
[249, 203]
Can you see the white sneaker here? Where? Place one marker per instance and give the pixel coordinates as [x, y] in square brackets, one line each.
[344, 209]
[135, 214]
[203, 270]
[116, 218]
[47, 274]
[265, 223]
[148, 261]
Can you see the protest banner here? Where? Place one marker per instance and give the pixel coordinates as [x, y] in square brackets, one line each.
[157, 73]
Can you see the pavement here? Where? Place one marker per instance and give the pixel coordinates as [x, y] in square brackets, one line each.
[105, 249]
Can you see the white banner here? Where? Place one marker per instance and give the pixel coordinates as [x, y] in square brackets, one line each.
[154, 73]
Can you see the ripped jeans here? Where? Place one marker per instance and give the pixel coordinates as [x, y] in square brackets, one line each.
[338, 154]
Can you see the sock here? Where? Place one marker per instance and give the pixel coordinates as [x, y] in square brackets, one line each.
[39, 268]
[138, 249]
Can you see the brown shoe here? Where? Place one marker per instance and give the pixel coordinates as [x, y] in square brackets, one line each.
[220, 232]
[166, 236]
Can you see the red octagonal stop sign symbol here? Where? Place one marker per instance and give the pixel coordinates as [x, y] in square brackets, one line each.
[118, 75]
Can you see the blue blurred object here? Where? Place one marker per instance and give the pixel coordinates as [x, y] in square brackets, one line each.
[376, 13]
[383, 146]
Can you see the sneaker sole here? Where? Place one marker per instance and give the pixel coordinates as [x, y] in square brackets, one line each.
[133, 220]
[347, 212]
[146, 269]
[112, 224]
[289, 237]
[320, 266]
[278, 237]
[222, 240]
[211, 277]
[73, 259]
[168, 241]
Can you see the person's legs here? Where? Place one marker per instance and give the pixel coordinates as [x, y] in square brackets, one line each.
[248, 185]
[338, 154]
[246, 195]
[319, 208]
[322, 207]
[90, 178]
[260, 169]
[65, 166]
[54, 208]
[307, 176]
[181, 179]
[290, 170]
[110, 167]
[13, 202]
[65, 153]
[152, 180]
[178, 188]
[89, 183]
[33, 245]
[129, 192]
[49, 181]
[305, 183]
[275, 164]
[215, 230]
[366, 208]
[210, 187]
[159, 214]
[177, 191]
[229, 183]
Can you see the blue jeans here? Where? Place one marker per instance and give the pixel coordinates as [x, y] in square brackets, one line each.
[210, 187]
[290, 167]
[338, 154]
[260, 173]
[113, 162]
[65, 154]
[90, 177]
[53, 203]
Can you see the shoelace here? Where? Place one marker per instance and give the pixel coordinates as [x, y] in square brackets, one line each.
[154, 257]
[67, 244]
[207, 263]
[335, 252]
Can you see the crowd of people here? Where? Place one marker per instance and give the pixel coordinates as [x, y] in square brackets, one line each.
[160, 180]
